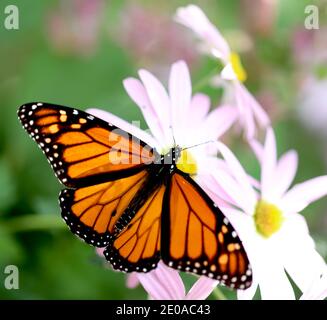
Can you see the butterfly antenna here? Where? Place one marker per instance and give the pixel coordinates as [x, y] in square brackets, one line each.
[172, 133]
[199, 144]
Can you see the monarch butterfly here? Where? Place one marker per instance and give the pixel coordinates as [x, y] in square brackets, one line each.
[132, 200]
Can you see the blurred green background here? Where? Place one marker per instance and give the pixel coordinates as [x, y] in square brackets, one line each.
[77, 52]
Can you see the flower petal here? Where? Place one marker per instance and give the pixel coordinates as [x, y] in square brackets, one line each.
[138, 94]
[124, 125]
[194, 18]
[300, 258]
[268, 165]
[201, 289]
[132, 280]
[228, 72]
[199, 107]
[163, 283]
[160, 101]
[239, 173]
[285, 172]
[257, 148]
[302, 194]
[180, 91]
[274, 285]
[219, 121]
[318, 288]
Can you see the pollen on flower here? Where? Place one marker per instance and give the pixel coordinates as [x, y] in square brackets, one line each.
[187, 163]
[268, 218]
[238, 67]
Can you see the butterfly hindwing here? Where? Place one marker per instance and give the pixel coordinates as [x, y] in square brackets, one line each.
[92, 212]
[198, 238]
[137, 246]
[83, 150]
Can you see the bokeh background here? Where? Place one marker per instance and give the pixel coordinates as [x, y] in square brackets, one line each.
[77, 52]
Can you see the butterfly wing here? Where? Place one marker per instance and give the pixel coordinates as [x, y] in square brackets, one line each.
[197, 237]
[83, 150]
[137, 247]
[92, 212]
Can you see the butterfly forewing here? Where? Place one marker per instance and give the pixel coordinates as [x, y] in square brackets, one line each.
[198, 238]
[82, 149]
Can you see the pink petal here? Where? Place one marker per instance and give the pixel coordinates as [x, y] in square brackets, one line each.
[132, 280]
[159, 100]
[234, 191]
[251, 109]
[245, 112]
[194, 18]
[302, 194]
[199, 107]
[163, 283]
[138, 94]
[124, 125]
[180, 91]
[268, 165]
[257, 148]
[100, 251]
[219, 121]
[259, 113]
[201, 289]
[285, 172]
[239, 174]
[217, 193]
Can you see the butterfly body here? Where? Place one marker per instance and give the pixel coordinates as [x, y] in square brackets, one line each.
[123, 195]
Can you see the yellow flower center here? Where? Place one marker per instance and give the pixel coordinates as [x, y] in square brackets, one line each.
[187, 163]
[237, 66]
[268, 218]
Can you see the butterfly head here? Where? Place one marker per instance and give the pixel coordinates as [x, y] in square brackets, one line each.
[181, 159]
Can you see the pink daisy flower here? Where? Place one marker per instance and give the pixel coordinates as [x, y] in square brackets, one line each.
[175, 117]
[265, 214]
[214, 44]
[165, 283]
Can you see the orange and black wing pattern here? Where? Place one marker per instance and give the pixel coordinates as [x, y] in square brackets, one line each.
[198, 238]
[83, 150]
[92, 212]
[137, 246]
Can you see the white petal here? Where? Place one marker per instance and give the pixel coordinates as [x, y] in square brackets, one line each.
[228, 72]
[249, 293]
[302, 194]
[301, 260]
[274, 285]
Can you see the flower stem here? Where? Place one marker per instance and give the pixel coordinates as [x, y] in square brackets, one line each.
[32, 222]
[205, 80]
[218, 294]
